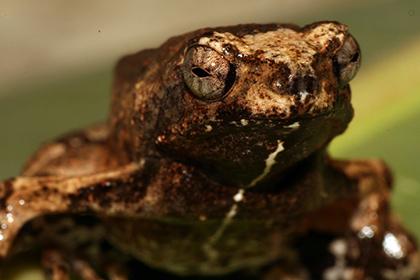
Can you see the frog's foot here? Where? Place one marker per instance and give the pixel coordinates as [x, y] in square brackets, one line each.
[55, 266]
[75, 245]
[58, 267]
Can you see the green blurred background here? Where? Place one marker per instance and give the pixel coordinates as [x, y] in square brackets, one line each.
[57, 58]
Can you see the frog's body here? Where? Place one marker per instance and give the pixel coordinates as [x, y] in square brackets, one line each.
[214, 160]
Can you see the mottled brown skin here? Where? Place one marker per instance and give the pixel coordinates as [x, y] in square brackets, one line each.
[214, 161]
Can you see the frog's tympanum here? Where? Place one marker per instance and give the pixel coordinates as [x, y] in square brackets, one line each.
[213, 163]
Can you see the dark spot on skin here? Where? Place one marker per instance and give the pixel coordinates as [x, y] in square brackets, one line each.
[282, 115]
[302, 84]
[313, 250]
[258, 54]
[334, 44]
[106, 195]
[228, 48]
[232, 112]
[63, 230]
[207, 34]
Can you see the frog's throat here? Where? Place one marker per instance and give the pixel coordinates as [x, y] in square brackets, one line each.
[269, 162]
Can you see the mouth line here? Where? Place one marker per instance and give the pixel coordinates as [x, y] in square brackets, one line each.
[288, 122]
[334, 111]
[263, 124]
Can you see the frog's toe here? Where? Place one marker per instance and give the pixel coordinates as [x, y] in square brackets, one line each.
[58, 267]
[87, 272]
[84, 269]
[55, 266]
[116, 272]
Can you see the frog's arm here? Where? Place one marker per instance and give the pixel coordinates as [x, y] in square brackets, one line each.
[82, 152]
[23, 198]
[77, 173]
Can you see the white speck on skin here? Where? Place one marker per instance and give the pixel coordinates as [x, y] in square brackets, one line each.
[269, 162]
[392, 247]
[278, 84]
[338, 248]
[303, 95]
[244, 122]
[239, 196]
[294, 125]
[366, 232]
[209, 128]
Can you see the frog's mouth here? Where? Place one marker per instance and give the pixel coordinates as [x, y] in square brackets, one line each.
[251, 152]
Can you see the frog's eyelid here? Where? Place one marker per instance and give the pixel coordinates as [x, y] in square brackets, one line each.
[347, 61]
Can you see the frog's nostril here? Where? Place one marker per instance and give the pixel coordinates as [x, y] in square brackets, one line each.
[303, 86]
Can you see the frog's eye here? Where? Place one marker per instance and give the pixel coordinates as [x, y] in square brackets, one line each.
[207, 74]
[347, 61]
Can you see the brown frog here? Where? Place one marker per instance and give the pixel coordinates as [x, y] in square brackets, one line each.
[213, 162]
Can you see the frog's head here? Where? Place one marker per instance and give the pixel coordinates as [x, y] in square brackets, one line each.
[248, 102]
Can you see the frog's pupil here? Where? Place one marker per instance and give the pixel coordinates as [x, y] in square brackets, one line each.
[199, 72]
[355, 57]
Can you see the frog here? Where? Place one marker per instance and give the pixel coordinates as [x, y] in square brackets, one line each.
[213, 163]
